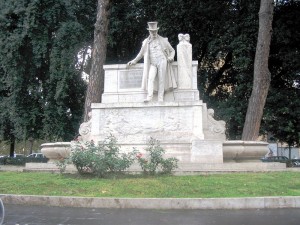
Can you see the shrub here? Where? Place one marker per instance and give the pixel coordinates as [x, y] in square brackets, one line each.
[21, 161]
[102, 159]
[37, 160]
[154, 160]
[2, 161]
[15, 161]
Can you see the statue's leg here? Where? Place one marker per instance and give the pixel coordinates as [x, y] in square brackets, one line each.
[162, 70]
[151, 77]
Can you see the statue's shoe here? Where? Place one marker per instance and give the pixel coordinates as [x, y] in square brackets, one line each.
[148, 99]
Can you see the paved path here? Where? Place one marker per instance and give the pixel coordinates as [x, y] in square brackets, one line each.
[44, 215]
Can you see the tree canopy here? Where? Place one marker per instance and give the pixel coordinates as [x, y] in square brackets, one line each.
[41, 89]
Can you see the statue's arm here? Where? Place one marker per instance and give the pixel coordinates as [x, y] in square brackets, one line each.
[139, 55]
[169, 50]
[172, 51]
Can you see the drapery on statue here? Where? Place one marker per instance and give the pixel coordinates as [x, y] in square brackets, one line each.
[158, 55]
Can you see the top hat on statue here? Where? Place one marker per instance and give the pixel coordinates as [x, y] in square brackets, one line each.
[152, 26]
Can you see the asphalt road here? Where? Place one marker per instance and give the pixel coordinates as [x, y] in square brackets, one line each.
[44, 215]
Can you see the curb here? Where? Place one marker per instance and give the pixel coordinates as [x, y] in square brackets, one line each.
[156, 203]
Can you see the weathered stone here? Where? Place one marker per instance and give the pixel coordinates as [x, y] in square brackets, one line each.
[182, 123]
[184, 59]
[244, 150]
[121, 85]
[56, 151]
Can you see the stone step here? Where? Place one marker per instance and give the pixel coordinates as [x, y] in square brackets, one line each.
[224, 167]
[183, 168]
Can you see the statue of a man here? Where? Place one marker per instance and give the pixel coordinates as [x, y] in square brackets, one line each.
[158, 55]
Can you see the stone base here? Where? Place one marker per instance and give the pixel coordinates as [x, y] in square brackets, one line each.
[48, 167]
[187, 168]
[206, 151]
[181, 123]
[124, 84]
[178, 126]
[244, 150]
[140, 95]
[199, 151]
[217, 168]
[168, 122]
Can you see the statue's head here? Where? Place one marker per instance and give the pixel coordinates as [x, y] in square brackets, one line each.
[153, 29]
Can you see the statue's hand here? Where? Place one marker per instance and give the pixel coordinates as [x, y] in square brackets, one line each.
[131, 63]
[170, 59]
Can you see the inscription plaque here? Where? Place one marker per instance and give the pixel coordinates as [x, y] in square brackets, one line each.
[129, 79]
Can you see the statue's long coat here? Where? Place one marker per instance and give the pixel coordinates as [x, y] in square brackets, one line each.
[170, 82]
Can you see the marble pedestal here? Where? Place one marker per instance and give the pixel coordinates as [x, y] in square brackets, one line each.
[177, 125]
[124, 84]
[182, 123]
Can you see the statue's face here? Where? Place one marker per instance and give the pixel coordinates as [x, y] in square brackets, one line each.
[153, 33]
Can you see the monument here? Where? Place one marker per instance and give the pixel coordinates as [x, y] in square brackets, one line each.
[158, 98]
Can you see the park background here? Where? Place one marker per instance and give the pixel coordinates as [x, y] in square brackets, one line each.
[45, 62]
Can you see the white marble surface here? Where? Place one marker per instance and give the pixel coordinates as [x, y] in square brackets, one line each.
[244, 150]
[177, 125]
[212, 129]
[56, 151]
[207, 151]
[182, 123]
[116, 91]
[137, 122]
[184, 59]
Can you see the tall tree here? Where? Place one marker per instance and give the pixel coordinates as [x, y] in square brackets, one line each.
[96, 76]
[281, 115]
[41, 89]
[262, 76]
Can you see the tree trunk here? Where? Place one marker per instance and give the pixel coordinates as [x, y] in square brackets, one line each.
[12, 146]
[262, 76]
[96, 77]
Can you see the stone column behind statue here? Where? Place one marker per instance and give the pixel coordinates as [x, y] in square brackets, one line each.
[184, 59]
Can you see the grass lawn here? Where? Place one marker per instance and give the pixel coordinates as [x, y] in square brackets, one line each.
[198, 186]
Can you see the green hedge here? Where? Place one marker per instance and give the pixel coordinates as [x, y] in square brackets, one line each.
[21, 161]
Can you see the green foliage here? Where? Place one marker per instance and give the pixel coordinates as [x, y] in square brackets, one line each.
[282, 110]
[21, 161]
[14, 161]
[102, 159]
[128, 19]
[154, 160]
[41, 89]
[62, 164]
[282, 115]
[106, 158]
